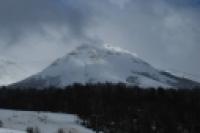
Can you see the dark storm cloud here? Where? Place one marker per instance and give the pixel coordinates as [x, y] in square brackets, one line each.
[164, 32]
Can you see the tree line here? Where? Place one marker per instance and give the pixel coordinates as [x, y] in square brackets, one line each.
[114, 108]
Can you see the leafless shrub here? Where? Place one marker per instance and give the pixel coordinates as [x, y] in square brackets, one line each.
[33, 130]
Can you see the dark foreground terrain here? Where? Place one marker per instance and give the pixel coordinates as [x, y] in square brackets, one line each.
[115, 108]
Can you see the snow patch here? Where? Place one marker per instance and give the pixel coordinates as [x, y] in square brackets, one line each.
[46, 122]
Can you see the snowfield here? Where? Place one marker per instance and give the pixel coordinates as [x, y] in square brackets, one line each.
[3, 130]
[46, 122]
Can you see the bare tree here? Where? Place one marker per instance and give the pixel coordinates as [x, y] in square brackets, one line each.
[1, 123]
[33, 130]
[61, 130]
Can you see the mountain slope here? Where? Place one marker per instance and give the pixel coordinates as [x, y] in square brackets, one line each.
[10, 72]
[100, 64]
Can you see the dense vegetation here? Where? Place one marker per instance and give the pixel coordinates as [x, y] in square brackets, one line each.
[115, 108]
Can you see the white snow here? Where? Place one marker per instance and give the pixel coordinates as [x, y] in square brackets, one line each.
[46, 122]
[100, 64]
[146, 82]
[3, 130]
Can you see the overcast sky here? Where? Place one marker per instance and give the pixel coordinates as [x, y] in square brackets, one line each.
[166, 33]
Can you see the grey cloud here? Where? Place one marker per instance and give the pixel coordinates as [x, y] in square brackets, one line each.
[164, 32]
[18, 17]
[35, 32]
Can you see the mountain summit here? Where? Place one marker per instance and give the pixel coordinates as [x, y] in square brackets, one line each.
[102, 64]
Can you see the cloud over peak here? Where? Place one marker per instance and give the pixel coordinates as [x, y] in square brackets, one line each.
[169, 28]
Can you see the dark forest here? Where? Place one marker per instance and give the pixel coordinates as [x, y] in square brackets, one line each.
[114, 108]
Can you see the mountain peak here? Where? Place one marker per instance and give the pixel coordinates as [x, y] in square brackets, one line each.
[102, 48]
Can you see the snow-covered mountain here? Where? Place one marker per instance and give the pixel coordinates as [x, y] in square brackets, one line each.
[10, 71]
[100, 64]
